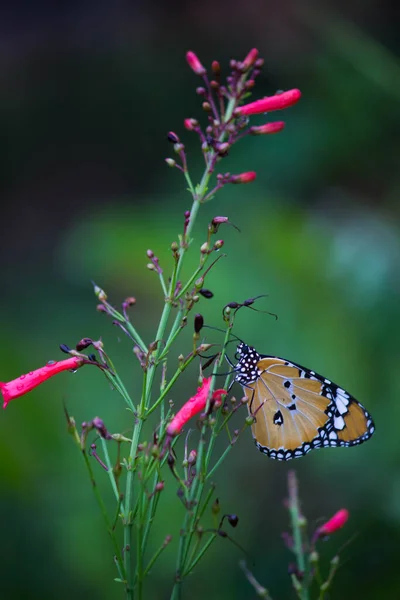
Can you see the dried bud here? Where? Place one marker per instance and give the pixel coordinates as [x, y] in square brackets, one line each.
[174, 246]
[206, 293]
[64, 348]
[215, 509]
[130, 301]
[206, 106]
[198, 323]
[172, 137]
[194, 63]
[232, 520]
[84, 343]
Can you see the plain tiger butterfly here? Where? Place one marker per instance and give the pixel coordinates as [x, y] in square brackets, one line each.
[296, 410]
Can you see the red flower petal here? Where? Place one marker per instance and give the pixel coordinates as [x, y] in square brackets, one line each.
[277, 102]
[193, 406]
[25, 383]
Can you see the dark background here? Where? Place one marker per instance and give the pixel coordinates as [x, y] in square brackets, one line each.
[88, 91]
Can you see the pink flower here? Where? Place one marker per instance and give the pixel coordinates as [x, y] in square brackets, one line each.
[193, 406]
[335, 523]
[194, 63]
[25, 383]
[277, 102]
[273, 127]
[247, 177]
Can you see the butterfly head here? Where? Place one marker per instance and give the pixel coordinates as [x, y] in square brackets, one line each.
[246, 367]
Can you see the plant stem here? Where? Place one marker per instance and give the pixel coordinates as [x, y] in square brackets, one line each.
[118, 555]
[296, 522]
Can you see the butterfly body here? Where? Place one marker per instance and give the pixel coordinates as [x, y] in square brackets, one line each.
[296, 410]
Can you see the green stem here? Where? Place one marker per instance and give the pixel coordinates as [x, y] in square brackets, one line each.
[296, 523]
[118, 555]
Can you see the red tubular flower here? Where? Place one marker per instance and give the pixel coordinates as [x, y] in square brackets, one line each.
[193, 406]
[335, 523]
[25, 383]
[273, 127]
[247, 177]
[277, 102]
[194, 63]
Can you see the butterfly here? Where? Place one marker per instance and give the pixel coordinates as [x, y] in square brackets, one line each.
[296, 410]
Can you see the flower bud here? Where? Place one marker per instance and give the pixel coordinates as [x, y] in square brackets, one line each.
[216, 68]
[250, 59]
[218, 244]
[273, 127]
[247, 177]
[194, 63]
[170, 162]
[190, 124]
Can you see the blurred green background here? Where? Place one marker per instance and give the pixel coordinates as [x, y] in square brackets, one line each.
[88, 92]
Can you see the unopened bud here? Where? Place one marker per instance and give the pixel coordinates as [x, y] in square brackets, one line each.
[218, 244]
[250, 59]
[150, 254]
[178, 147]
[118, 437]
[174, 246]
[223, 148]
[159, 486]
[268, 128]
[151, 267]
[64, 348]
[170, 162]
[216, 68]
[192, 458]
[204, 248]
[200, 91]
[247, 177]
[206, 106]
[194, 63]
[190, 124]
[102, 296]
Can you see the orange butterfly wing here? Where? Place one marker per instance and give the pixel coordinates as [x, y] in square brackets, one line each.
[296, 410]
